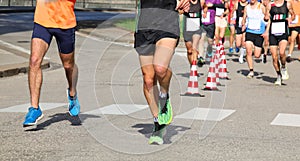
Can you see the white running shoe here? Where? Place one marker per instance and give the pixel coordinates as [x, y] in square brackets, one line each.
[250, 75]
[278, 82]
[241, 58]
[284, 73]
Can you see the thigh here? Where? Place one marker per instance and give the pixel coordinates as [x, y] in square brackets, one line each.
[164, 51]
[41, 32]
[146, 63]
[238, 39]
[65, 39]
[282, 46]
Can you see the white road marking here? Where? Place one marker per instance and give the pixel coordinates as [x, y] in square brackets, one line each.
[118, 109]
[284, 119]
[206, 114]
[12, 46]
[24, 107]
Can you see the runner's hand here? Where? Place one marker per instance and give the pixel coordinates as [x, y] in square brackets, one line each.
[184, 5]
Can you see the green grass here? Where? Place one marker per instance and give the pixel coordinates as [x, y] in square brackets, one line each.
[129, 24]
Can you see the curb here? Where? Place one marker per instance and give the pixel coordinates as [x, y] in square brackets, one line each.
[15, 69]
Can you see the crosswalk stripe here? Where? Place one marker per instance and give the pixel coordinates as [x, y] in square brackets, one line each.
[283, 119]
[118, 109]
[209, 114]
[24, 107]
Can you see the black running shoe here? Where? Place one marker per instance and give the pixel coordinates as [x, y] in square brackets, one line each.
[265, 58]
[288, 59]
[201, 61]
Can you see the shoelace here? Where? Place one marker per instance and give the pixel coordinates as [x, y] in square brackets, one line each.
[30, 113]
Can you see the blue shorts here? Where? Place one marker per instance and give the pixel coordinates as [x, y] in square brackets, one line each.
[65, 38]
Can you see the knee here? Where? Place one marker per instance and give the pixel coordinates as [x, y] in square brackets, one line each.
[189, 52]
[148, 82]
[35, 62]
[68, 65]
[160, 71]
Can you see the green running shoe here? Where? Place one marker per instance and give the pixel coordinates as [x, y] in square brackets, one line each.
[165, 115]
[157, 134]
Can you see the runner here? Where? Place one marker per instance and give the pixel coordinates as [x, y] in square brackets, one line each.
[254, 13]
[240, 34]
[192, 32]
[265, 49]
[232, 22]
[208, 21]
[294, 27]
[221, 7]
[49, 21]
[278, 35]
[156, 37]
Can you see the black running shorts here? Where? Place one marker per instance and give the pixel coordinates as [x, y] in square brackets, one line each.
[274, 40]
[256, 39]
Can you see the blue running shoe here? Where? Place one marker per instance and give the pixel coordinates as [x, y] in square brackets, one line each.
[237, 49]
[230, 50]
[74, 106]
[32, 116]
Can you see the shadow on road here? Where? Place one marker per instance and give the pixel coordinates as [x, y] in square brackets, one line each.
[74, 120]
[146, 129]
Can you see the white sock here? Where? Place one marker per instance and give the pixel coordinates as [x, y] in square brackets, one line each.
[162, 95]
[155, 119]
[243, 51]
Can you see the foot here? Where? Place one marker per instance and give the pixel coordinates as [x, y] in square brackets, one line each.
[33, 116]
[74, 106]
[284, 73]
[288, 59]
[237, 49]
[230, 50]
[241, 59]
[278, 82]
[165, 115]
[250, 75]
[157, 134]
[201, 61]
[265, 58]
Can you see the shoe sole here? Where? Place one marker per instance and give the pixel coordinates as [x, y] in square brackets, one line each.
[33, 124]
[72, 114]
[156, 140]
[285, 78]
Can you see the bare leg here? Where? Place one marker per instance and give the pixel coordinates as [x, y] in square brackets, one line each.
[273, 50]
[71, 71]
[189, 48]
[35, 77]
[249, 47]
[150, 83]
[162, 57]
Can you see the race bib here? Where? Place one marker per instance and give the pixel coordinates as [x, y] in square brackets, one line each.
[240, 21]
[192, 24]
[207, 19]
[234, 15]
[278, 28]
[295, 21]
[219, 11]
[254, 24]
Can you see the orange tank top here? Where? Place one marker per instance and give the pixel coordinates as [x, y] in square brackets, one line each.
[55, 13]
[296, 8]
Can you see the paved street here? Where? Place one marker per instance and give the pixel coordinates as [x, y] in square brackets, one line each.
[247, 120]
